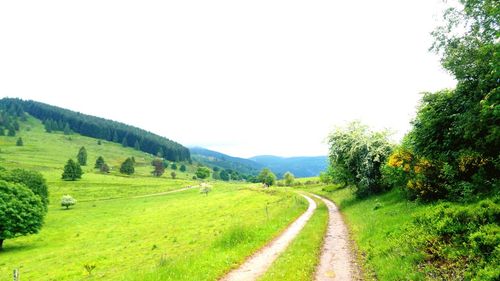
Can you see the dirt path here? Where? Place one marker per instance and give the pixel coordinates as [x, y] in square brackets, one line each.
[258, 264]
[337, 261]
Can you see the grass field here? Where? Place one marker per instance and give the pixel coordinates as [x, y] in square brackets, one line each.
[377, 224]
[179, 236]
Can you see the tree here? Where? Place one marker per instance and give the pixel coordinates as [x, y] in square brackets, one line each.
[127, 167]
[124, 141]
[32, 180]
[159, 169]
[173, 175]
[224, 175]
[205, 188]
[99, 142]
[289, 178]
[11, 132]
[183, 168]
[2, 131]
[67, 201]
[21, 211]
[104, 168]
[174, 166]
[357, 155]
[82, 156]
[19, 142]
[99, 162]
[267, 177]
[137, 145]
[72, 171]
[202, 172]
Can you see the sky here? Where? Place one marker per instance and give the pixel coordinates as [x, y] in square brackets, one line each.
[241, 77]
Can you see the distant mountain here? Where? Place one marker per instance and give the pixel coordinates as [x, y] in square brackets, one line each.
[299, 166]
[216, 159]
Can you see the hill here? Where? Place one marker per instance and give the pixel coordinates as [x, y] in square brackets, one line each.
[60, 119]
[216, 159]
[299, 166]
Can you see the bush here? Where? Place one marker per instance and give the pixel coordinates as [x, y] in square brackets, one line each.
[356, 157]
[202, 173]
[32, 180]
[459, 242]
[127, 166]
[67, 201]
[72, 171]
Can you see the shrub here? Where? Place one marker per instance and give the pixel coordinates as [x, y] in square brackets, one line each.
[72, 171]
[127, 166]
[67, 201]
[202, 173]
[459, 242]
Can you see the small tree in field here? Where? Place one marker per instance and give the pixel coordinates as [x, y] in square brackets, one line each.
[127, 167]
[99, 162]
[67, 201]
[82, 156]
[203, 172]
[19, 142]
[267, 177]
[72, 171]
[289, 178]
[205, 188]
[174, 166]
[182, 168]
[159, 169]
[21, 211]
[173, 175]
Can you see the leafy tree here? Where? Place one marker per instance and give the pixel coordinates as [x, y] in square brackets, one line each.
[289, 178]
[104, 168]
[202, 172]
[72, 171]
[19, 142]
[225, 176]
[174, 166]
[173, 175]
[99, 162]
[267, 177]
[21, 211]
[216, 169]
[2, 131]
[159, 169]
[32, 180]
[67, 201]
[357, 155]
[82, 156]
[182, 168]
[127, 167]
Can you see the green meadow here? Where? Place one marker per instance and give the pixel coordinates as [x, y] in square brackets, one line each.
[114, 234]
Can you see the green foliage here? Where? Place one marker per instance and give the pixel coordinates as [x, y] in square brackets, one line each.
[99, 162]
[19, 142]
[82, 156]
[67, 129]
[289, 178]
[183, 168]
[459, 242]
[104, 168]
[224, 175]
[72, 171]
[31, 179]
[173, 175]
[205, 188]
[267, 177]
[173, 166]
[11, 132]
[356, 156]
[21, 211]
[457, 130]
[202, 172]
[159, 169]
[67, 201]
[127, 166]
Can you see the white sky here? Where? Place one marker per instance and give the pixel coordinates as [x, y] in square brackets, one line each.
[241, 77]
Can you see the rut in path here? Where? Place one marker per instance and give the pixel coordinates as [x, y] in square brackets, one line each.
[260, 262]
[337, 261]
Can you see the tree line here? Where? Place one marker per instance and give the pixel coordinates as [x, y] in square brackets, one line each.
[59, 119]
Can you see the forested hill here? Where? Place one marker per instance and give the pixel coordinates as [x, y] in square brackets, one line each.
[299, 166]
[216, 159]
[56, 118]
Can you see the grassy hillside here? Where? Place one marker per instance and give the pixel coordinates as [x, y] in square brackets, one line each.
[179, 236]
[224, 161]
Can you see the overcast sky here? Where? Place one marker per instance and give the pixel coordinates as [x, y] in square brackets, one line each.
[241, 77]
